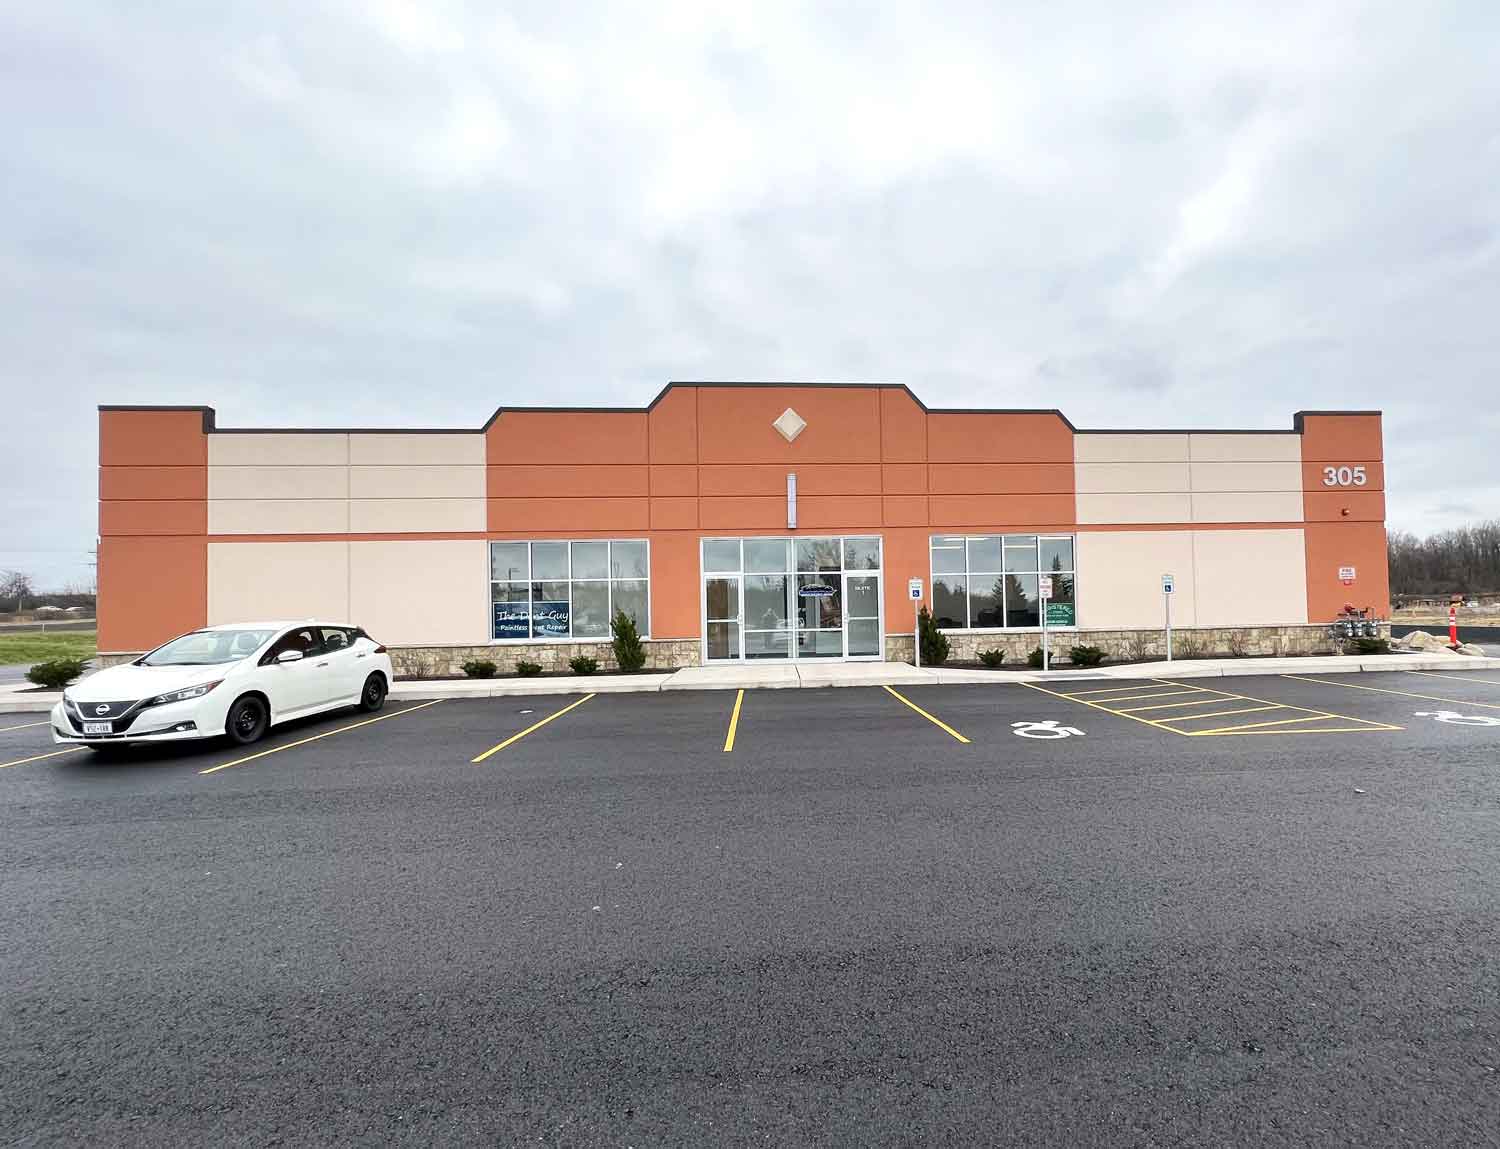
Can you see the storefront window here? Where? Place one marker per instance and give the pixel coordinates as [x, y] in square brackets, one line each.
[992, 581]
[561, 590]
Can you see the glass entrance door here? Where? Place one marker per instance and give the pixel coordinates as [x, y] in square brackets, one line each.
[792, 598]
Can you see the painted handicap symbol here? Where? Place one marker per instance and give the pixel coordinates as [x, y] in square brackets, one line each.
[1047, 729]
[1454, 718]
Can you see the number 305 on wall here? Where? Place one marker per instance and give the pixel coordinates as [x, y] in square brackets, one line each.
[1344, 477]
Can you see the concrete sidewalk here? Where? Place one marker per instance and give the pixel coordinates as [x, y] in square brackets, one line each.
[809, 675]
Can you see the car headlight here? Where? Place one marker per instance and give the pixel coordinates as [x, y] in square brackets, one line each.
[184, 694]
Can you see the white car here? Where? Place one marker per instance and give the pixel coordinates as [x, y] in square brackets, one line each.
[237, 680]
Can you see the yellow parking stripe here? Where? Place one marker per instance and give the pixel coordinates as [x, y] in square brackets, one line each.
[1173, 705]
[1140, 697]
[734, 722]
[1348, 723]
[1360, 722]
[1457, 675]
[1222, 713]
[316, 737]
[28, 726]
[39, 757]
[1233, 732]
[1258, 725]
[1402, 693]
[938, 722]
[1104, 690]
[532, 727]
[1096, 706]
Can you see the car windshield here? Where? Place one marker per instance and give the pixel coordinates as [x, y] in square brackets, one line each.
[208, 647]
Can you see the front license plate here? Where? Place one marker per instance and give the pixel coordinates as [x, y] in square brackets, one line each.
[98, 728]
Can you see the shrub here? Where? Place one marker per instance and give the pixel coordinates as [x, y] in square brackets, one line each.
[1187, 644]
[1371, 646]
[992, 657]
[934, 641]
[584, 664]
[1239, 644]
[1139, 646]
[55, 674]
[629, 652]
[479, 668]
[528, 669]
[1034, 659]
[1085, 655]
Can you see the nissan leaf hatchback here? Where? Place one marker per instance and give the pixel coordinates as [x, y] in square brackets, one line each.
[237, 680]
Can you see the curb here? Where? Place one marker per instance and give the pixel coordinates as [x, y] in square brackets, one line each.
[790, 678]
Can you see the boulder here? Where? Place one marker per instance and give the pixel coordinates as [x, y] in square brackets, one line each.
[1471, 650]
[1420, 640]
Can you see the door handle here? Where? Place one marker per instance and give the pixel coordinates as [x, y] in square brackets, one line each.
[361, 656]
[322, 664]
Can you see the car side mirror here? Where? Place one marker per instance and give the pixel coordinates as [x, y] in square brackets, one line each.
[289, 656]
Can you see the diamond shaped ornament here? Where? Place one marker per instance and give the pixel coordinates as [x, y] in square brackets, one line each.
[789, 424]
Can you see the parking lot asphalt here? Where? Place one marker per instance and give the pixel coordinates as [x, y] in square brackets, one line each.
[1176, 912]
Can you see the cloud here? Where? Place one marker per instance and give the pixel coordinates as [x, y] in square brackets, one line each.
[409, 213]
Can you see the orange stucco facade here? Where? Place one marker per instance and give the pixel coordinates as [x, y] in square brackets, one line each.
[705, 460]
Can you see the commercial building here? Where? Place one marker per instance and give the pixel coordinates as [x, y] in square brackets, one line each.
[740, 522]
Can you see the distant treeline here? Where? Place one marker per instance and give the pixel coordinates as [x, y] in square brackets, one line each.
[1461, 561]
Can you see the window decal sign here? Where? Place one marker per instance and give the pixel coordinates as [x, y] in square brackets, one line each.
[550, 619]
[816, 590]
[512, 620]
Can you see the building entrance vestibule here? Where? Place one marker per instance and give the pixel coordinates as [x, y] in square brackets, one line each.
[790, 598]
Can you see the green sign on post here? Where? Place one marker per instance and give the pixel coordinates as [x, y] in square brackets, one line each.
[1060, 614]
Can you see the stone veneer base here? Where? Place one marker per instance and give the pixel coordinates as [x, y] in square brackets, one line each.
[675, 653]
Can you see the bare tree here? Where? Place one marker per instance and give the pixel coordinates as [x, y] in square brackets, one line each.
[16, 585]
[1465, 560]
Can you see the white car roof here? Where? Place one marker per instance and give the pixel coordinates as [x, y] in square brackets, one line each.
[277, 624]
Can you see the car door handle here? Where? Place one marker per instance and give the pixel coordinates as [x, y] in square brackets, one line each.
[361, 656]
[322, 664]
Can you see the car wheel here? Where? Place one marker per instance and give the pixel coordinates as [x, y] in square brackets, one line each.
[372, 698]
[247, 720]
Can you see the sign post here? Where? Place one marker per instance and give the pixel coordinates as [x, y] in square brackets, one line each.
[1453, 624]
[914, 592]
[1045, 591]
[1168, 585]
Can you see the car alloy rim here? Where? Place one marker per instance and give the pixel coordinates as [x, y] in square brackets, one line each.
[372, 691]
[249, 719]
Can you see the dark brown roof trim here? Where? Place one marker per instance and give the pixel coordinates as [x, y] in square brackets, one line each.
[210, 427]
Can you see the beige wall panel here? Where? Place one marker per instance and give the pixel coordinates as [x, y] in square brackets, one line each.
[231, 450]
[1261, 476]
[1271, 446]
[1250, 578]
[1247, 507]
[1119, 578]
[416, 482]
[404, 450]
[1112, 448]
[278, 516]
[1144, 508]
[254, 582]
[278, 482]
[421, 591]
[445, 516]
[1129, 478]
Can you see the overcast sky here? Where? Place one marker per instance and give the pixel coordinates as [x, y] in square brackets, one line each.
[389, 213]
